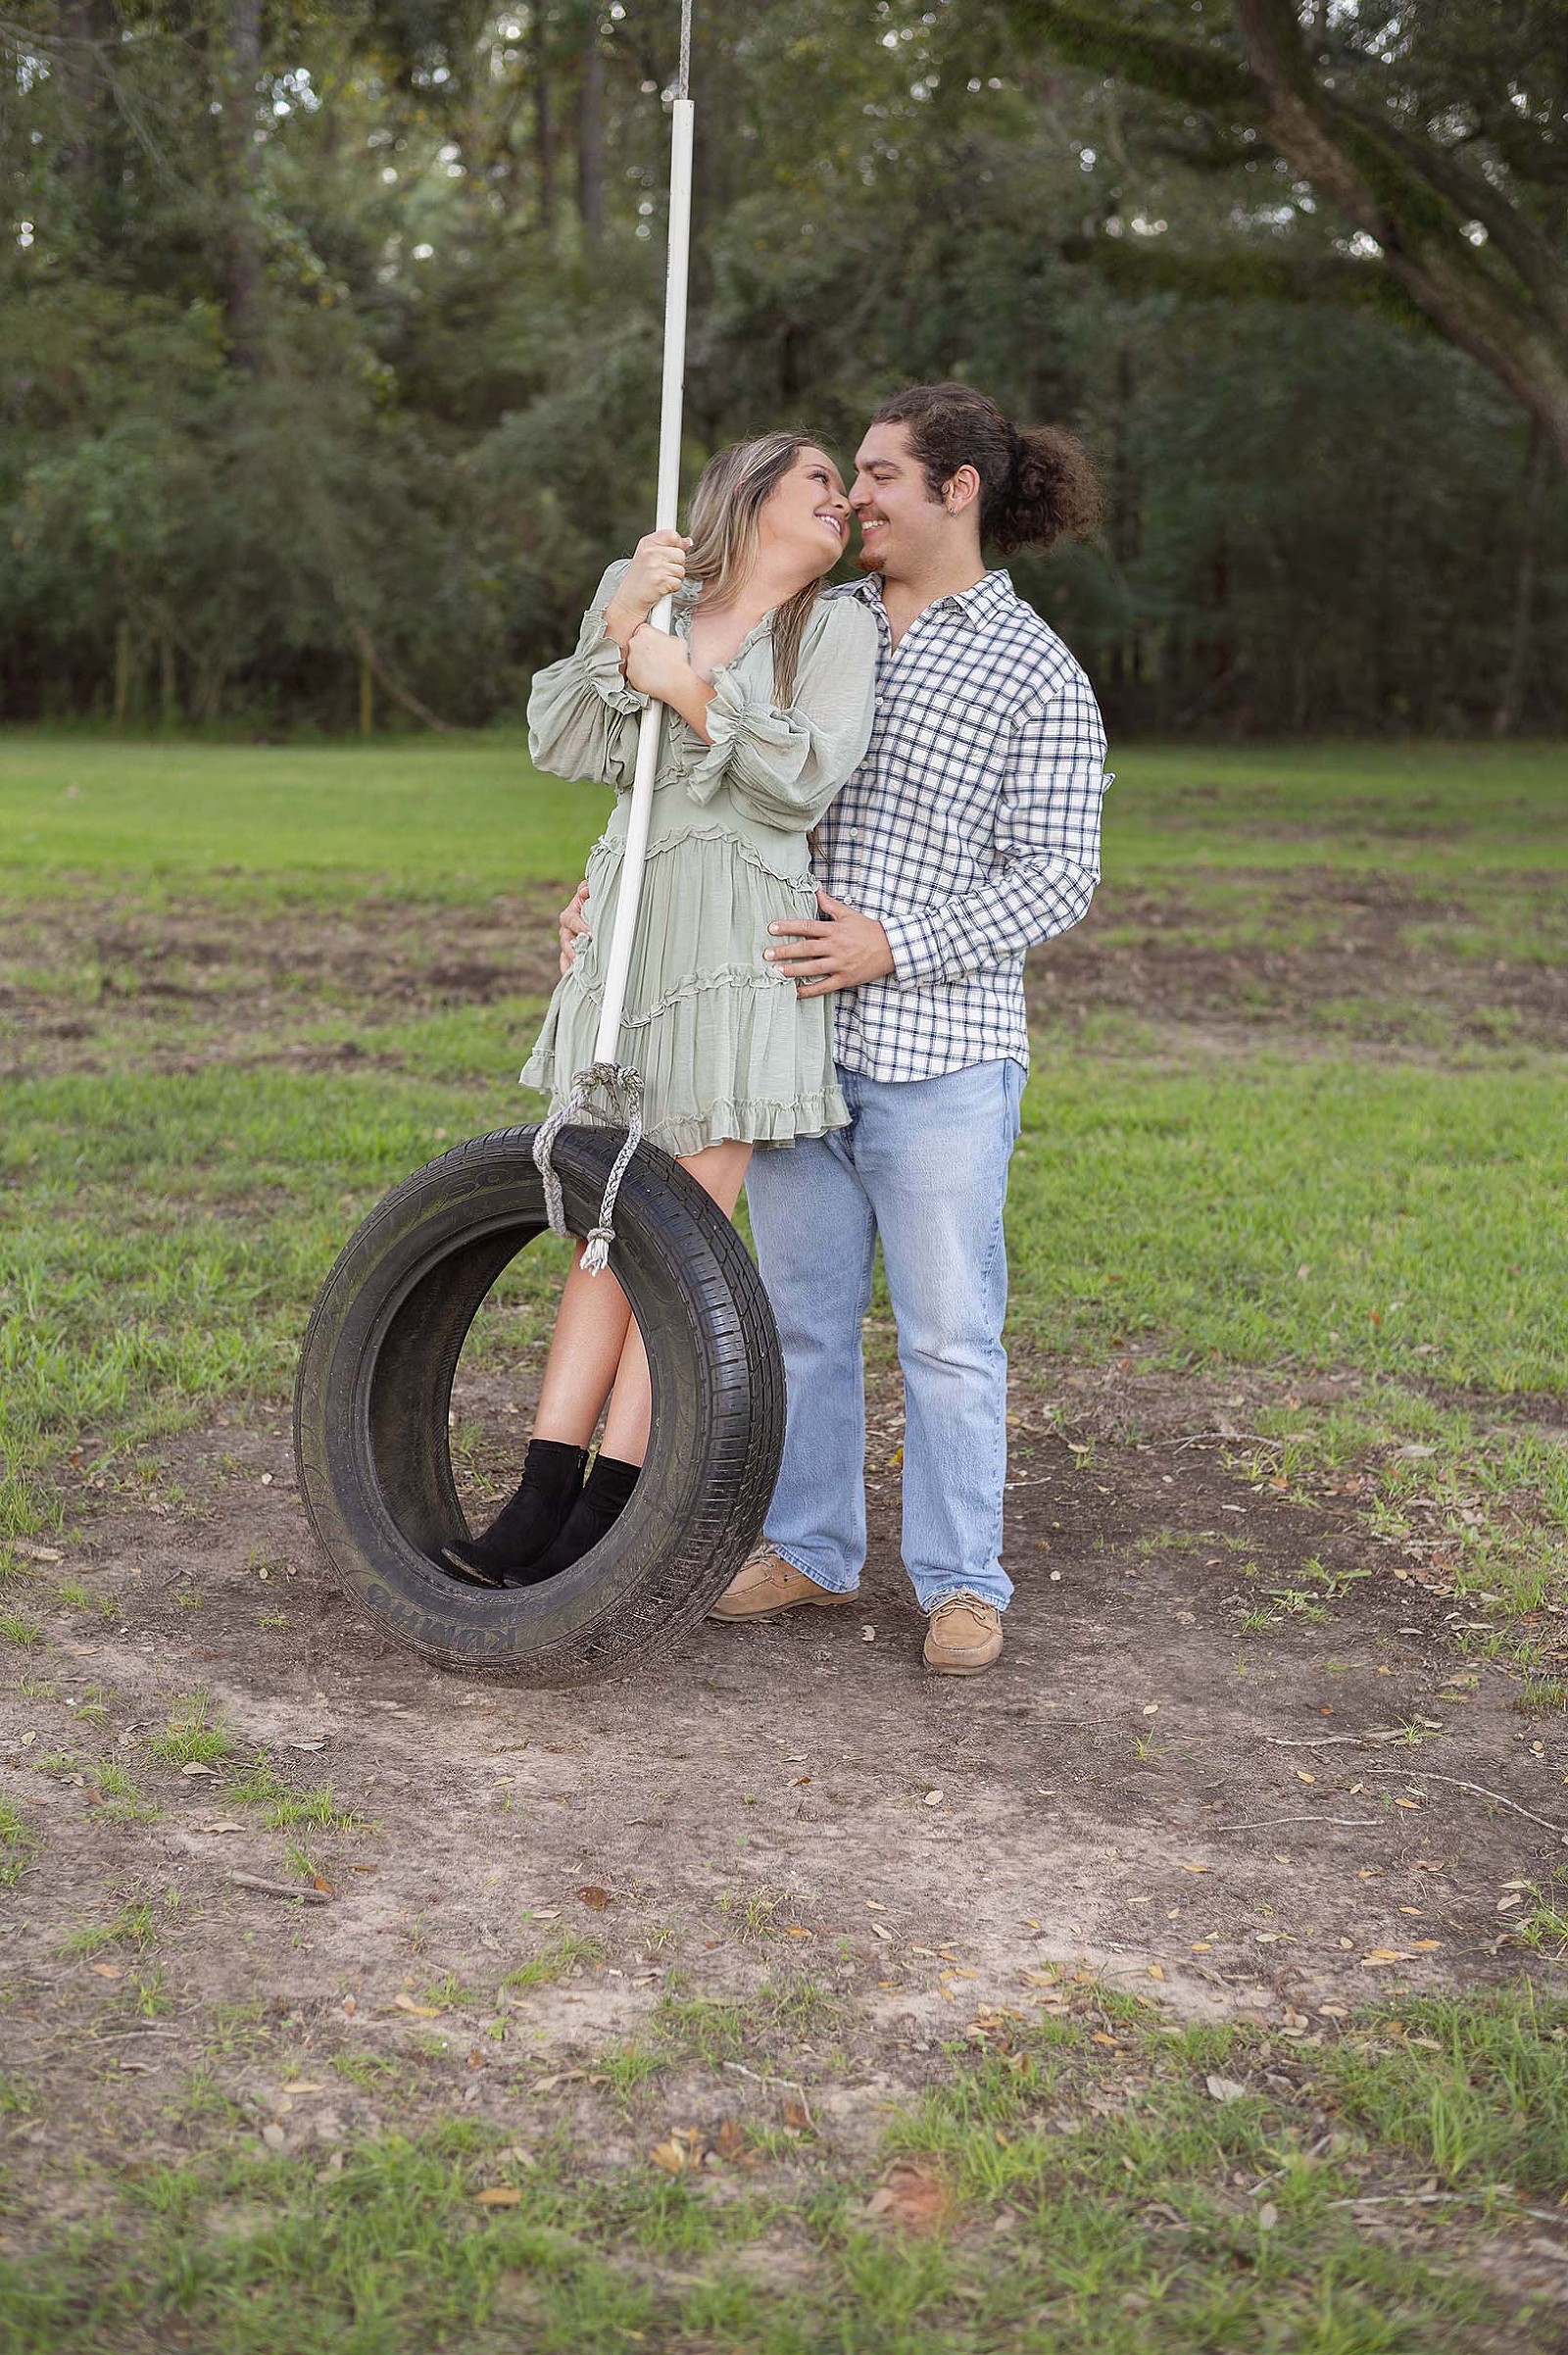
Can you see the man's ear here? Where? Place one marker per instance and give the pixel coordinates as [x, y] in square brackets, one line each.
[960, 490]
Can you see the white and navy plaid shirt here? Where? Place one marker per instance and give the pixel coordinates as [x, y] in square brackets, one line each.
[970, 830]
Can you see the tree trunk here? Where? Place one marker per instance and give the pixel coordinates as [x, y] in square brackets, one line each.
[87, 32]
[544, 131]
[1510, 702]
[122, 673]
[591, 138]
[241, 265]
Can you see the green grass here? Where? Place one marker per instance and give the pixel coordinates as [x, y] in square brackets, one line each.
[165, 1239]
[298, 815]
[1318, 1215]
[167, 1235]
[557, 1958]
[1089, 2198]
[445, 817]
[192, 1735]
[280, 1807]
[17, 1845]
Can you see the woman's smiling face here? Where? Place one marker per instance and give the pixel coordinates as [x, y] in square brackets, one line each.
[807, 515]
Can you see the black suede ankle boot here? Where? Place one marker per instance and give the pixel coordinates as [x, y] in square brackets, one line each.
[531, 1520]
[606, 1492]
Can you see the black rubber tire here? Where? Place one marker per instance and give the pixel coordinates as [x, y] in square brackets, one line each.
[374, 1392]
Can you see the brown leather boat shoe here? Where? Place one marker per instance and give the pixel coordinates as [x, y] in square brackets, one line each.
[965, 1635]
[766, 1585]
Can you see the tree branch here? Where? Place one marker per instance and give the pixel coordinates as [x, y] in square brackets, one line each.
[1152, 60]
[1137, 266]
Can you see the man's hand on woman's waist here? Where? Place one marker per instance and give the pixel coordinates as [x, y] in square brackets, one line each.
[838, 950]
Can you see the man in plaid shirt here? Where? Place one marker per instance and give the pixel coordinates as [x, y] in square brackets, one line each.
[970, 831]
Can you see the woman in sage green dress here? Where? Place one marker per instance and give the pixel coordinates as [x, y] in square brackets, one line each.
[769, 687]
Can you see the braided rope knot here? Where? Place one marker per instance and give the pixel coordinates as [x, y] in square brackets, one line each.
[621, 1091]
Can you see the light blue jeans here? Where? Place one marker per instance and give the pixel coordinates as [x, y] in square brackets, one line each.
[924, 1164]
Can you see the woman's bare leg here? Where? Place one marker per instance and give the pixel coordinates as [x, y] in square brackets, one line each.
[586, 1349]
[597, 1348]
[720, 1170]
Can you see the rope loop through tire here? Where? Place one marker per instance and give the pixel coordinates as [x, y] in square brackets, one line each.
[621, 1088]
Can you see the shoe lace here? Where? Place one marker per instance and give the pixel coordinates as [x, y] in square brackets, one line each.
[963, 1598]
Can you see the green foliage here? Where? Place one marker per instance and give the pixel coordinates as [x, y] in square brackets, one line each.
[331, 371]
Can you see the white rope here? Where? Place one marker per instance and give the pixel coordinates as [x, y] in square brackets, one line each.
[605, 1075]
[623, 1090]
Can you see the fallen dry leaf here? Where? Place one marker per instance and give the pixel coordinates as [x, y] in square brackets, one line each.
[730, 2138]
[594, 1898]
[34, 1554]
[1301, 1775]
[672, 2156]
[879, 1929]
[1225, 2088]
[194, 1766]
[499, 2195]
[933, 1799]
[421, 2011]
[796, 2115]
[1196, 1868]
[1389, 1954]
[303, 2084]
[223, 1825]
[1154, 1971]
[912, 2198]
[104, 1970]
[796, 1929]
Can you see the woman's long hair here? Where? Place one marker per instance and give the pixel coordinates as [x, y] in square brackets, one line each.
[727, 504]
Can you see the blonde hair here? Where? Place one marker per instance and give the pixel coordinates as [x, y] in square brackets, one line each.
[727, 504]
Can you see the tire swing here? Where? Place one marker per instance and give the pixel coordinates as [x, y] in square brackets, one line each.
[375, 1387]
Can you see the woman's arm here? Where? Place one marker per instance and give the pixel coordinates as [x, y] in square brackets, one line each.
[661, 665]
[582, 715]
[785, 764]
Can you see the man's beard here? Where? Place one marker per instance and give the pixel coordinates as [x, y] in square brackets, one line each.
[867, 559]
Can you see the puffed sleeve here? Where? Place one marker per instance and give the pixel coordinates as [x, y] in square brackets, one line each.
[785, 765]
[582, 717]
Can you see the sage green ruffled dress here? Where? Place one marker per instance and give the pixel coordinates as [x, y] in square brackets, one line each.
[727, 1048]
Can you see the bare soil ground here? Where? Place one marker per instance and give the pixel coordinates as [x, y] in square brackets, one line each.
[1268, 1825]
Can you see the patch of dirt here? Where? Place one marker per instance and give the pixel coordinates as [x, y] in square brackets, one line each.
[185, 985]
[188, 984]
[1265, 1822]
[1373, 984]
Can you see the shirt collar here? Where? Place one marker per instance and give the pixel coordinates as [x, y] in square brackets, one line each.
[975, 604]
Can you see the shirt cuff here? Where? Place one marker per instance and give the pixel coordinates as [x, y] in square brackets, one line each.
[916, 948]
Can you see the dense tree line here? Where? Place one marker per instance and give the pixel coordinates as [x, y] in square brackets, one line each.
[330, 337]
